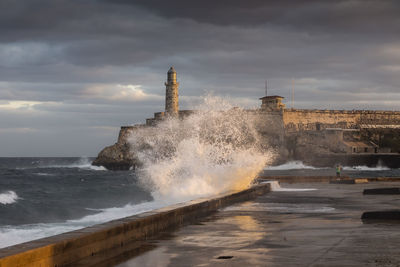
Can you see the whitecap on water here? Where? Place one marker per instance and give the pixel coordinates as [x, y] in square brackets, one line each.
[276, 187]
[8, 197]
[44, 174]
[83, 163]
[292, 165]
[365, 168]
[11, 235]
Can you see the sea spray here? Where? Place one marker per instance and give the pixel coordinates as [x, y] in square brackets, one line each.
[276, 187]
[292, 165]
[214, 149]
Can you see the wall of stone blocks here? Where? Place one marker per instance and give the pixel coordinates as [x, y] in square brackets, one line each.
[311, 120]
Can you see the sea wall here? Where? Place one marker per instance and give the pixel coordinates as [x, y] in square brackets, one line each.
[92, 245]
[371, 160]
[312, 119]
[270, 126]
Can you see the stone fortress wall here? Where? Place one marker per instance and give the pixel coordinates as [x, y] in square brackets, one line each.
[294, 133]
[311, 120]
[275, 123]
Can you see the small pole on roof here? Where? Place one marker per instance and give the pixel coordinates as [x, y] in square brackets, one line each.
[266, 88]
[292, 93]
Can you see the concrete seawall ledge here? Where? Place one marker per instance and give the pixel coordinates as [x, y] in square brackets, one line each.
[68, 249]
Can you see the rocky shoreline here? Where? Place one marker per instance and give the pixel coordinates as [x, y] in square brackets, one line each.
[116, 157]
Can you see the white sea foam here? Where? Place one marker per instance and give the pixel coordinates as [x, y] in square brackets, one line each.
[83, 163]
[44, 174]
[292, 165]
[8, 197]
[11, 235]
[275, 186]
[366, 168]
[109, 214]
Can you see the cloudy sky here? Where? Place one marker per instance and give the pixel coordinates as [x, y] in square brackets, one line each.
[72, 72]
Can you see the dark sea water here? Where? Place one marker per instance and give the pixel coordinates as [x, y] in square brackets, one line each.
[41, 197]
[44, 196]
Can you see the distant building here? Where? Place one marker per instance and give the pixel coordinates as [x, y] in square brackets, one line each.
[171, 94]
[272, 103]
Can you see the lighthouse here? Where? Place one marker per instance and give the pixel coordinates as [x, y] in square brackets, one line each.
[171, 94]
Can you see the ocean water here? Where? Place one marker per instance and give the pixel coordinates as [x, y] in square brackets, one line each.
[46, 196]
[41, 197]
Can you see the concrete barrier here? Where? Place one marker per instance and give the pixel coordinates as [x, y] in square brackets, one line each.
[91, 245]
[350, 181]
[386, 215]
[382, 191]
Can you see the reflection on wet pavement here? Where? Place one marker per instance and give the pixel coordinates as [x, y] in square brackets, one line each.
[241, 231]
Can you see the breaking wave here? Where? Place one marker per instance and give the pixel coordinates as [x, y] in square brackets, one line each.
[11, 235]
[83, 163]
[8, 197]
[276, 187]
[292, 165]
[215, 149]
[366, 168]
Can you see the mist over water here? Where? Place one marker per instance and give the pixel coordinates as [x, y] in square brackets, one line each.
[215, 149]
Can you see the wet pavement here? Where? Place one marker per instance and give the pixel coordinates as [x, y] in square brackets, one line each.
[289, 227]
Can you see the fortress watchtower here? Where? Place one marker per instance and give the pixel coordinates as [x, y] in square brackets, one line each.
[171, 94]
[272, 103]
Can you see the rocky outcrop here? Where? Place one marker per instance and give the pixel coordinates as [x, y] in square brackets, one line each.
[116, 157]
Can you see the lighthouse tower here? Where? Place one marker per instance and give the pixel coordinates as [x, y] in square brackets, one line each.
[171, 94]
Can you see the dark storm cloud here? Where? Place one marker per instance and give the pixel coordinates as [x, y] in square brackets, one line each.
[321, 15]
[95, 64]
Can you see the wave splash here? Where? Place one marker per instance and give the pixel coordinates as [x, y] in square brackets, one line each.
[215, 149]
[11, 235]
[276, 187]
[366, 168]
[8, 197]
[292, 165]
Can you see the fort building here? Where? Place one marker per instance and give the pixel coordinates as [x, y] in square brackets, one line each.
[294, 133]
[272, 103]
